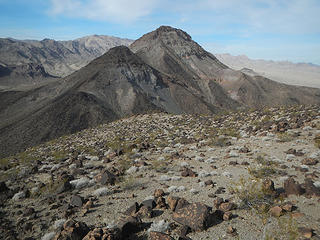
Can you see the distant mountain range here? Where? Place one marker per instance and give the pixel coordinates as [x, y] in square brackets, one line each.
[164, 70]
[302, 74]
[58, 58]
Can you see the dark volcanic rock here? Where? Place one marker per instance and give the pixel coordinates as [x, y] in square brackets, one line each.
[159, 236]
[195, 215]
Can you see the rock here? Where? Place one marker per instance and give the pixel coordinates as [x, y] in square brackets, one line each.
[227, 216]
[19, 195]
[268, 186]
[150, 203]
[144, 211]
[76, 201]
[310, 189]
[64, 186]
[103, 234]
[231, 230]
[159, 236]
[306, 232]
[217, 202]
[3, 187]
[28, 212]
[48, 236]
[181, 204]
[106, 177]
[287, 207]
[88, 205]
[161, 203]
[244, 149]
[209, 182]
[187, 172]
[195, 215]
[132, 210]
[172, 202]
[309, 161]
[129, 225]
[291, 187]
[160, 226]
[227, 206]
[184, 231]
[158, 193]
[101, 192]
[276, 211]
[72, 231]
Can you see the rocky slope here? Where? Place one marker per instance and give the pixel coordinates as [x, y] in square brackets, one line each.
[301, 74]
[239, 175]
[168, 72]
[59, 58]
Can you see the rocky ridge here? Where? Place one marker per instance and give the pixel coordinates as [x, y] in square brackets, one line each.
[164, 176]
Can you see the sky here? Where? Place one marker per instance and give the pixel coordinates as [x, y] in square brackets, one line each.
[280, 30]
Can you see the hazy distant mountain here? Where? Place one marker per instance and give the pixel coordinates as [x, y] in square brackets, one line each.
[58, 58]
[164, 70]
[302, 74]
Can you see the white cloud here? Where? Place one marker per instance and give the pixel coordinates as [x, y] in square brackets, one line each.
[105, 10]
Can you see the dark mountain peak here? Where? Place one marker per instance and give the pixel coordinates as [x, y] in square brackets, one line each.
[164, 33]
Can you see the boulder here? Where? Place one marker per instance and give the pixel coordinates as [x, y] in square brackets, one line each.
[195, 215]
[291, 187]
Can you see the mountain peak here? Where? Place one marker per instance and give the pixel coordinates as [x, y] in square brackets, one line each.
[165, 31]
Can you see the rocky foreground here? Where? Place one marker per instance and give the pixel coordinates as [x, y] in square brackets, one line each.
[238, 175]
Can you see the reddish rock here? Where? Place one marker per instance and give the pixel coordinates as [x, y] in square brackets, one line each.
[187, 172]
[72, 230]
[306, 232]
[145, 211]
[227, 206]
[309, 161]
[217, 202]
[227, 216]
[291, 187]
[172, 202]
[276, 211]
[158, 193]
[103, 234]
[106, 177]
[159, 236]
[195, 215]
[287, 207]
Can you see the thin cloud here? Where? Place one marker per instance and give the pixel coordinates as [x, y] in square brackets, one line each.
[112, 10]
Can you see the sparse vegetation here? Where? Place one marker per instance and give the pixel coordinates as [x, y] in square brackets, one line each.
[285, 229]
[285, 137]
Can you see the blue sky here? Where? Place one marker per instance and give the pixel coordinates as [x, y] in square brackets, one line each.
[266, 29]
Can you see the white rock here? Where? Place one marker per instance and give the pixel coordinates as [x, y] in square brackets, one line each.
[132, 169]
[165, 178]
[284, 178]
[290, 157]
[58, 224]
[48, 236]
[227, 174]
[194, 191]
[307, 128]
[184, 164]
[214, 173]
[202, 184]
[80, 183]
[93, 158]
[210, 149]
[55, 167]
[175, 178]
[101, 192]
[19, 196]
[172, 189]
[161, 158]
[161, 226]
[317, 184]
[198, 158]
[266, 138]
[304, 166]
[233, 154]
[203, 174]
[167, 150]
[73, 166]
[211, 160]
[181, 188]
